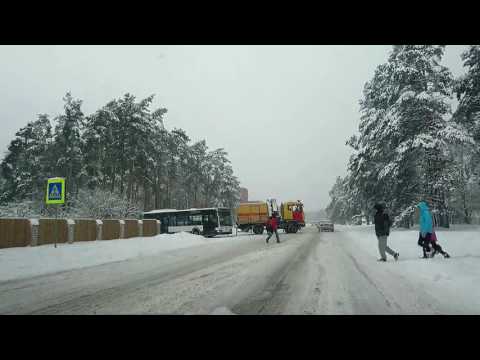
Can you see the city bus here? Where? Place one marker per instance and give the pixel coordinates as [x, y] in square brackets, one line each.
[206, 221]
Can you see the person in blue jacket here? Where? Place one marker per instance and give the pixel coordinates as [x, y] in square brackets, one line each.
[426, 228]
[427, 233]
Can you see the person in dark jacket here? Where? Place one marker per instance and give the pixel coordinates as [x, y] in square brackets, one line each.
[272, 226]
[382, 230]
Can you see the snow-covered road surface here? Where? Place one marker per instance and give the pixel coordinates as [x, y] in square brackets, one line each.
[308, 273]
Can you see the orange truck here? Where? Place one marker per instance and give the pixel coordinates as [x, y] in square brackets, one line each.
[254, 215]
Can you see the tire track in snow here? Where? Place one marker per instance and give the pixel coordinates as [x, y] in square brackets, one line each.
[374, 285]
[273, 298]
[78, 300]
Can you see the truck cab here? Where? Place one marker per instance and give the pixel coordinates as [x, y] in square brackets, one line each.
[293, 217]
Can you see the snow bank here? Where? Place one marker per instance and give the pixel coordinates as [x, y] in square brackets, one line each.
[25, 262]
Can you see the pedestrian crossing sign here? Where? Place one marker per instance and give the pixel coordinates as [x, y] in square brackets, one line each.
[55, 191]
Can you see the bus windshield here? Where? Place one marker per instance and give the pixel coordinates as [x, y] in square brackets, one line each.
[225, 217]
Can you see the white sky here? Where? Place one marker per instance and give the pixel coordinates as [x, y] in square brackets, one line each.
[283, 113]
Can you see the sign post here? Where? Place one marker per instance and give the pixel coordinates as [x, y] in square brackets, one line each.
[56, 197]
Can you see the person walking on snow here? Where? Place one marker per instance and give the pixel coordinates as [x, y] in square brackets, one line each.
[426, 228]
[272, 226]
[427, 235]
[436, 247]
[382, 230]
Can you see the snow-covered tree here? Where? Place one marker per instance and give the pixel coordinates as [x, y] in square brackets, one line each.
[467, 156]
[27, 163]
[67, 147]
[343, 204]
[124, 151]
[403, 151]
[195, 164]
[467, 90]
[22, 209]
[102, 204]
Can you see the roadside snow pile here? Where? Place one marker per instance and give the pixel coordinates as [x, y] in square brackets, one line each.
[25, 262]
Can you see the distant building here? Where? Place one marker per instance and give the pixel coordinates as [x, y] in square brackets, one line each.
[243, 194]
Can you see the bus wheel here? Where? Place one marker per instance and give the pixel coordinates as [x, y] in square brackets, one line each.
[195, 232]
[258, 229]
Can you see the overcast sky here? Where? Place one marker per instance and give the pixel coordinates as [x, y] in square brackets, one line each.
[283, 113]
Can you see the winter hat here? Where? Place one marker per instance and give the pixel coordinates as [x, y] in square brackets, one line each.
[379, 206]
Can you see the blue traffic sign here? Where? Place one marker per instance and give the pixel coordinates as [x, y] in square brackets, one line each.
[56, 191]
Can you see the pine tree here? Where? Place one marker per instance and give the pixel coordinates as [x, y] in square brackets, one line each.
[27, 164]
[402, 153]
[194, 179]
[68, 144]
[467, 90]
[177, 141]
[467, 155]
[336, 208]
[154, 153]
[121, 152]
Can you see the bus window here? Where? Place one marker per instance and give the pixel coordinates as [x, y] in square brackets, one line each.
[196, 219]
[204, 219]
[181, 220]
[210, 220]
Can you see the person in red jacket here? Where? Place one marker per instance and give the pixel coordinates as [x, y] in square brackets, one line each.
[272, 226]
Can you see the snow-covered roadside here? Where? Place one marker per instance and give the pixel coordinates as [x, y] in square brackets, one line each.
[453, 281]
[16, 263]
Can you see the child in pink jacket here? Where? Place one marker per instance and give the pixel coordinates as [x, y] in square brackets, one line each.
[436, 247]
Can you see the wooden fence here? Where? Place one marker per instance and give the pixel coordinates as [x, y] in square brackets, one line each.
[15, 232]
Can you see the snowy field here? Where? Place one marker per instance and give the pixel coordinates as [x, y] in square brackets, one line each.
[454, 281]
[17, 263]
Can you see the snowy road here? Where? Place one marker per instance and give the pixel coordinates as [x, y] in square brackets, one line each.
[308, 273]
